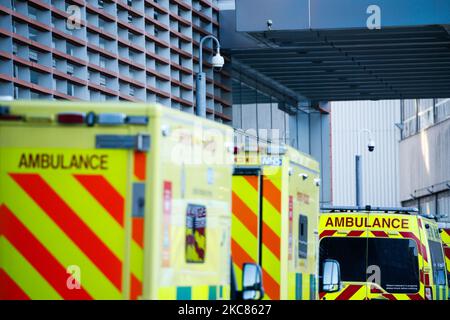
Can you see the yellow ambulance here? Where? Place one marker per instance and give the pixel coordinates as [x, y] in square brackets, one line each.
[380, 253]
[114, 201]
[275, 204]
[445, 235]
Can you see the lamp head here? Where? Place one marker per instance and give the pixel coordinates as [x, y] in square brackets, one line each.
[218, 61]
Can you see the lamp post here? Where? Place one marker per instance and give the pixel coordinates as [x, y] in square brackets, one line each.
[358, 164]
[217, 62]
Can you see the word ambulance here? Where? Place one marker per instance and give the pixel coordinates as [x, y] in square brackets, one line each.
[61, 161]
[367, 222]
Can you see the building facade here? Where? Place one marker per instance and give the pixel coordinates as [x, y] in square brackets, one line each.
[138, 50]
[425, 156]
[380, 168]
[148, 50]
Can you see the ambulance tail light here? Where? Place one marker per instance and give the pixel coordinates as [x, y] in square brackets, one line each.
[5, 115]
[428, 293]
[11, 117]
[71, 118]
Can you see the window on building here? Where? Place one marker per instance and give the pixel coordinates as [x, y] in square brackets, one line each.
[33, 34]
[33, 55]
[70, 88]
[425, 113]
[70, 68]
[102, 62]
[70, 49]
[53, 63]
[102, 42]
[15, 71]
[101, 23]
[130, 3]
[131, 36]
[428, 205]
[443, 206]
[102, 80]
[100, 4]
[14, 48]
[33, 12]
[132, 91]
[130, 18]
[442, 109]
[34, 77]
[16, 92]
[409, 117]
[34, 95]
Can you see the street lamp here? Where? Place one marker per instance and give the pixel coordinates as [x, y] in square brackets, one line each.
[358, 164]
[217, 62]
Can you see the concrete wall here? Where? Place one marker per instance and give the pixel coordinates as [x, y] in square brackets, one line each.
[425, 161]
[381, 167]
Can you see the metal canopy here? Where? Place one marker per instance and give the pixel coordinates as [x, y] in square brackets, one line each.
[328, 64]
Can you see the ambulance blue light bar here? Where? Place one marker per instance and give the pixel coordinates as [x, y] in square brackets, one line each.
[340, 209]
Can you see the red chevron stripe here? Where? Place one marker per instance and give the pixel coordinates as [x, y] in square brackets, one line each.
[271, 240]
[271, 287]
[253, 181]
[447, 252]
[240, 256]
[415, 296]
[272, 194]
[389, 296]
[140, 162]
[244, 214]
[9, 290]
[380, 234]
[38, 256]
[72, 226]
[349, 292]
[105, 194]
[327, 233]
[136, 288]
[138, 231]
[355, 233]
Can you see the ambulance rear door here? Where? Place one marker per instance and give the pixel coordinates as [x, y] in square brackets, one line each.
[67, 196]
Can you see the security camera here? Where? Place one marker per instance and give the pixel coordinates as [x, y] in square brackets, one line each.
[371, 146]
[269, 24]
[217, 61]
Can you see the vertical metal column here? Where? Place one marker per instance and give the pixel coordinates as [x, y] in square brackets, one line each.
[358, 181]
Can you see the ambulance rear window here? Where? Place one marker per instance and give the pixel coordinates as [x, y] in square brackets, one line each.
[395, 261]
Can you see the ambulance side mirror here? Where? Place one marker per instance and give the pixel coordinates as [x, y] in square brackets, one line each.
[331, 276]
[252, 286]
